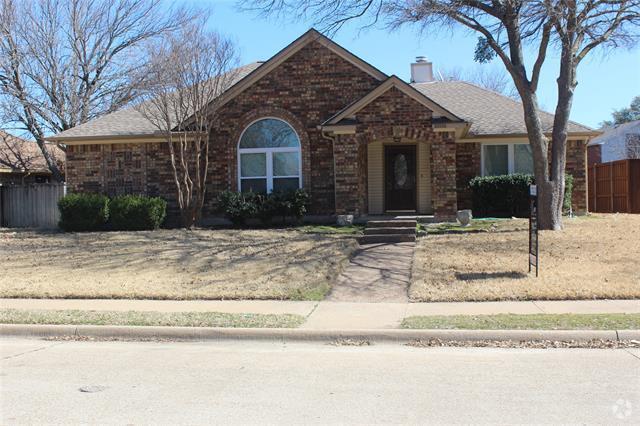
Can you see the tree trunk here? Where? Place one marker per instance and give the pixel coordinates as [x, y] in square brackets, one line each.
[51, 164]
[550, 195]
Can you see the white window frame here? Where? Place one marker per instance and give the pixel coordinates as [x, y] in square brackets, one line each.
[269, 157]
[510, 155]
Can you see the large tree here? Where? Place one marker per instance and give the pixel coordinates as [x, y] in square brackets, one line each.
[505, 29]
[65, 62]
[189, 72]
[624, 115]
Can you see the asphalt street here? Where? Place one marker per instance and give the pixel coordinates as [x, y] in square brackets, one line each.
[299, 383]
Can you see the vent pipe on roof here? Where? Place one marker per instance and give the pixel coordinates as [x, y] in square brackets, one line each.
[421, 70]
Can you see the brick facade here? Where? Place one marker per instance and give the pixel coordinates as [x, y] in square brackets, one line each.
[468, 159]
[467, 167]
[305, 90]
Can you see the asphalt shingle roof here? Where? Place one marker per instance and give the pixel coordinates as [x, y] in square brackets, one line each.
[489, 112]
[129, 121]
[16, 154]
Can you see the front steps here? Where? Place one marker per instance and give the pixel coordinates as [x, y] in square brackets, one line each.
[389, 231]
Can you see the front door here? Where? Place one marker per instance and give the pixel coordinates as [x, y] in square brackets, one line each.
[400, 177]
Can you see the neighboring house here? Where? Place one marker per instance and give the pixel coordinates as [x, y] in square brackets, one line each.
[318, 117]
[22, 162]
[617, 143]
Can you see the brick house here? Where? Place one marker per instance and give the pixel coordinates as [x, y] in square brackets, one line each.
[318, 117]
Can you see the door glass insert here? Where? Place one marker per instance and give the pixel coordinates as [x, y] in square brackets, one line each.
[400, 170]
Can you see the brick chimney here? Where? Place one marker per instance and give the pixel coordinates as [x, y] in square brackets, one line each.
[421, 70]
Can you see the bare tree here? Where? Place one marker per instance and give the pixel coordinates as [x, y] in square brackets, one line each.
[633, 146]
[65, 62]
[25, 156]
[505, 29]
[190, 71]
[490, 79]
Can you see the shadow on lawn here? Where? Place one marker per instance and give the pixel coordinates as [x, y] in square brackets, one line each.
[472, 276]
[203, 257]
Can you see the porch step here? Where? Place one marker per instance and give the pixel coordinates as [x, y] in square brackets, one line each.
[386, 238]
[389, 230]
[393, 223]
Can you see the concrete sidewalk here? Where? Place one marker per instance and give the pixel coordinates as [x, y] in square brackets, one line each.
[334, 315]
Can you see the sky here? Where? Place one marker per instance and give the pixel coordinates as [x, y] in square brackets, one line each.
[605, 81]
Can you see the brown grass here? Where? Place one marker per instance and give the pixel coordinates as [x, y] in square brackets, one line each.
[171, 264]
[594, 257]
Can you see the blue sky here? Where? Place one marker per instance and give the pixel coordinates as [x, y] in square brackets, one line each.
[605, 82]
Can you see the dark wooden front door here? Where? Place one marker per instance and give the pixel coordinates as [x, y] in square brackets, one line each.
[400, 177]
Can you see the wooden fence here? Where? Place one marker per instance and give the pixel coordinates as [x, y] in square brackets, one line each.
[615, 187]
[30, 206]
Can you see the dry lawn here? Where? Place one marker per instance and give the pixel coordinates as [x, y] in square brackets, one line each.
[171, 264]
[594, 257]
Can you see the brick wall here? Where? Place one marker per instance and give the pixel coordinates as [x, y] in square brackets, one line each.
[392, 116]
[116, 169]
[305, 90]
[467, 167]
[443, 175]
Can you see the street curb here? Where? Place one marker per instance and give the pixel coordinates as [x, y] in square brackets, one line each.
[297, 334]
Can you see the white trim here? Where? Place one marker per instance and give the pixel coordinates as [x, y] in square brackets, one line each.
[269, 157]
[510, 155]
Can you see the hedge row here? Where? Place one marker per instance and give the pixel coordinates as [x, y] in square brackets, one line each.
[96, 212]
[508, 195]
[238, 207]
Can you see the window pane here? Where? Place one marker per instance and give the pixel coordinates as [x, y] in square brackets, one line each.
[285, 164]
[523, 159]
[269, 133]
[254, 185]
[496, 160]
[253, 165]
[285, 184]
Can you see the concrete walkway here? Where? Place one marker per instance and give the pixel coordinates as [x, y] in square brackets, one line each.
[377, 273]
[335, 315]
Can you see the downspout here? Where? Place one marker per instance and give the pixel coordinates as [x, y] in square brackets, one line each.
[333, 152]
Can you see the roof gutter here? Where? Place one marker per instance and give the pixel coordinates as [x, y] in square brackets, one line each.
[112, 139]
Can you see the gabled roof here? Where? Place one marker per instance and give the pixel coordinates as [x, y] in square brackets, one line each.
[20, 155]
[130, 122]
[490, 113]
[405, 88]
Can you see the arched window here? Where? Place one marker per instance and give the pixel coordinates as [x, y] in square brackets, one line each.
[269, 157]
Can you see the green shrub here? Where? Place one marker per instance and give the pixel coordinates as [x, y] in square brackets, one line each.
[238, 206]
[287, 204]
[83, 212]
[508, 195]
[501, 196]
[137, 212]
